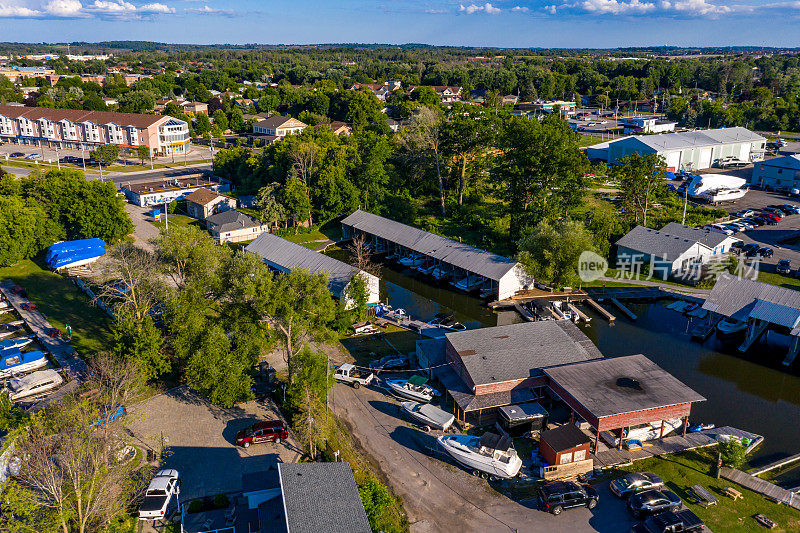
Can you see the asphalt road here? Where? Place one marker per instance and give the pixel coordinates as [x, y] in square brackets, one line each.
[440, 496]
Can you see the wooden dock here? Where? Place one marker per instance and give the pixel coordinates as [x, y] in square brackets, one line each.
[625, 311]
[583, 316]
[777, 464]
[761, 486]
[600, 309]
[530, 295]
[417, 326]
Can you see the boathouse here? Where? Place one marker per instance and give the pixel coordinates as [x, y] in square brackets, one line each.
[501, 277]
[284, 256]
[759, 304]
[493, 367]
[617, 394]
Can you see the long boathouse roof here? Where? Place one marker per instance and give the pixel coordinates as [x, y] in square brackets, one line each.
[469, 258]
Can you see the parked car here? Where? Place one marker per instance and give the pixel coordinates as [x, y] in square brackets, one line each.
[683, 521]
[164, 486]
[735, 228]
[750, 249]
[556, 496]
[769, 221]
[650, 502]
[737, 247]
[16, 154]
[765, 252]
[744, 213]
[33, 156]
[755, 221]
[722, 229]
[782, 208]
[773, 211]
[635, 482]
[272, 431]
[791, 209]
[784, 266]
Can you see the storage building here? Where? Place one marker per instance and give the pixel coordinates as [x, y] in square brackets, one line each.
[284, 256]
[564, 444]
[165, 191]
[518, 420]
[777, 174]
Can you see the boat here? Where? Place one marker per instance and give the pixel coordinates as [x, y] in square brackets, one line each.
[694, 428]
[643, 432]
[706, 185]
[8, 329]
[730, 327]
[697, 312]
[447, 321]
[412, 260]
[414, 388]
[488, 455]
[5, 305]
[33, 384]
[716, 196]
[469, 283]
[440, 272]
[20, 342]
[13, 362]
[428, 415]
[425, 269]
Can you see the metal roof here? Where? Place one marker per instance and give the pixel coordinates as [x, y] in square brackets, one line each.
[743, 298]
[620, 385]
[286, 255]
[461, 255]
[321, 498]
[520, 351]
[693, 139]
[788, 161]
[523, 411]
[656, 243]
[712, 239]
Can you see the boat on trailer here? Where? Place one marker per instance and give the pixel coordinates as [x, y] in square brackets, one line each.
[13, 362]
[428, 415]
[489, 455]
[414, 388]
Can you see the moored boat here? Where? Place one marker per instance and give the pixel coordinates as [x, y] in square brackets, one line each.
[19, 342]
[447, 321]
[414, 388]
[694, 428]
[13, 362]
[428, 415]
[34, 384]
[730, 328]
[469, 283]
[490, 454]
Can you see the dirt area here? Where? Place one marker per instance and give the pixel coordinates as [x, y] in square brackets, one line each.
[439, 495]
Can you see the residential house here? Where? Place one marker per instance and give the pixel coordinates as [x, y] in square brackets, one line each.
[234, 226]
[338, 127]
[195, 107]
[276, 127]
[446, 93]
[203, 203]
[382, 91]
[777, 174]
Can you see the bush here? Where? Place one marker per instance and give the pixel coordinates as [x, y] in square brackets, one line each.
[733, 453]
[376, 499]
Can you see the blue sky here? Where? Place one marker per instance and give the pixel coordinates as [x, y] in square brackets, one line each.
[517, 23]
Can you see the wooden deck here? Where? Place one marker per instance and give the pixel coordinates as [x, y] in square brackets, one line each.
[533, 294]
[600, 309]
[761, 486]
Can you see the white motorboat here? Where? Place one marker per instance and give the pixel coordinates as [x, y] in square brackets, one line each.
[447, 321]
[20, 342]
[644, 432]
[490, 454]
[723, 195]
[428, 415]
[440, 272]
[13, 362]
[414, 388]
[469, 283]
[730, 327]
[413, 260]
[5, 305]
[34, 384]
[425, 268]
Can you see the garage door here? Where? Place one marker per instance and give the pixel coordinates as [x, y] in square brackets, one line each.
[674, 160]
[705, 158]
[744, 152]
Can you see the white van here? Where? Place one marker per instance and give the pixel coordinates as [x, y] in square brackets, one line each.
[34, 383]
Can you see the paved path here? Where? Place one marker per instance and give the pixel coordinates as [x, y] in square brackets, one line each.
[143, 230]
[440, 496]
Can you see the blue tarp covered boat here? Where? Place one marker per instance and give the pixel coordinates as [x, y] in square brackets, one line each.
[73, 246]
[14, 362]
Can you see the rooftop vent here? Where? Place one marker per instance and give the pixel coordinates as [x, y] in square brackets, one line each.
[629, 383]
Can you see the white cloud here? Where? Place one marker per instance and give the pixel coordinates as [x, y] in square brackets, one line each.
[115, 8]
[665, 8]
[615, 7]
[435, 11]
[697, 8]
[14, 11]
[156, 8]
[550, 9]
[520, 9]
[59, 9]
[205, 10]
[472, 8]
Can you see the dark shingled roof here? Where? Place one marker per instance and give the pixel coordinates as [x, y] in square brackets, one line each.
[656, 243]
[520, 351]
[202, 196]
[712, 239]
[274, 122]
[621, 385]
[564, 437]
[322, 498]
[461, 255]
[231, 220]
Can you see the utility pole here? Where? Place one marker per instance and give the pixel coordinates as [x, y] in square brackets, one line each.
[685, 201]
[166, 216]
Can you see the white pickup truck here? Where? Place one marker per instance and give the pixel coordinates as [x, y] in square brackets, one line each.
[164, 486]
[353, 375]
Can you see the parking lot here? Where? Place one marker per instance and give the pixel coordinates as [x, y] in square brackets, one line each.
[438, 495]
[52, 155]
[200, 440]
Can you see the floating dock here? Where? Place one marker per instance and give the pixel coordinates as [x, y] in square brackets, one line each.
[777, 464]
[625, 311]
[600, 309]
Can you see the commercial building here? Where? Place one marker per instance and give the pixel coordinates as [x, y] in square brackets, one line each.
[202, 203]
[285, 256]
[777, 174]
[547, 106]
[501, 276]
[615, 395]
[74, 128]
[637, 125]
[234, 226]
[17, 74]
[690, 151]
[488, 368]
[158, 192]
[276, 127]
[673, 250]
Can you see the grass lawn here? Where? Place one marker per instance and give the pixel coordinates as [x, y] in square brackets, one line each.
[179, 220]
[779, 280]
[392, 340]
[138, 168]
[694, 467]
[63, 303]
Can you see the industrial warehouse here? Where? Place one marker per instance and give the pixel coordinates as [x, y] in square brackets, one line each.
[689, 151]
[467, 267]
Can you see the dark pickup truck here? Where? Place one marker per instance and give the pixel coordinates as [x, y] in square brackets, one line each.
[683, 521]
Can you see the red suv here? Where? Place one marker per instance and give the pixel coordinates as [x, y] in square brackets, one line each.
[273, 431]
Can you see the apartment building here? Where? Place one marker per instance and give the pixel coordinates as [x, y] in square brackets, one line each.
[17, 74]
[75, 128]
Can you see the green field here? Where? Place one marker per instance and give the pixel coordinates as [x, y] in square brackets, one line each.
[178, 220]
[63, 303]
[683, 470]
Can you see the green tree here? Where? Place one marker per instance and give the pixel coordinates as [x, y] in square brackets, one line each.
[269, 206]
[143, 151]
[202, 124]
[426, 96]
[424, 134]
[295, 200]
[236, 122]
[551, 252]
[139, 340]
[640, 179]
[107, 153]
[25, 229]
[733, 452]
[377, 499]
[217, 371]
[467, 132]
[220, 120]
[357, 296]
[137, 102]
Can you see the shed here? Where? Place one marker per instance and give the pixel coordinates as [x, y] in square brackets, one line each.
[564, 444]
[523, 418]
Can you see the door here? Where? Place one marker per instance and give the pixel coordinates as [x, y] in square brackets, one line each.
[744, 152]
[258, 436]
[705, 158]
[673, 160]
[573, 499]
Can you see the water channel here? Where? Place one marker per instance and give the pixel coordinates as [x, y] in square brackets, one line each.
[757, 396]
